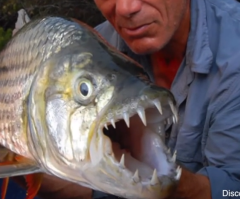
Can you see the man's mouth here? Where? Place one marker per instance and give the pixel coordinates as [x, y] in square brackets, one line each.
[138, 143]
[137, 30]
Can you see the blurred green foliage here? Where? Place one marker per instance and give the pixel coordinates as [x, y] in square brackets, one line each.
[8, 13]
[9, 6]
[5, 35]
[84, 10]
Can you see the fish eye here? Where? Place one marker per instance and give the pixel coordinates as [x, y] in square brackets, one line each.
[85, 89]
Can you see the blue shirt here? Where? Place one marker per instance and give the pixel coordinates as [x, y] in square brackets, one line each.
[207, 91]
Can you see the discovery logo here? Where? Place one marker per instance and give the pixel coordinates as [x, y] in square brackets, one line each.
[226, 193]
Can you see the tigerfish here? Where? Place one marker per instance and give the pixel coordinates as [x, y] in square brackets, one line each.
[73, 106]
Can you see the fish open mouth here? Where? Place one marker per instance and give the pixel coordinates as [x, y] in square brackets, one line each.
[138, 142]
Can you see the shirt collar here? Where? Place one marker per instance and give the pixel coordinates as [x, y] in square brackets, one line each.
[198, 54]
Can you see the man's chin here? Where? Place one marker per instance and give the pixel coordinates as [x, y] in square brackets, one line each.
[144, 46]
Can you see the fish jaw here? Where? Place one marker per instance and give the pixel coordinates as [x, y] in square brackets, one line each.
[146, 169]
[92, 161]
[103, 165]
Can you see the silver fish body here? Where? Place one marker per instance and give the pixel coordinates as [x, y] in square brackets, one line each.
[61, 85]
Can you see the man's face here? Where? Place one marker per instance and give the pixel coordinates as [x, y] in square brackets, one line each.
[145, 25]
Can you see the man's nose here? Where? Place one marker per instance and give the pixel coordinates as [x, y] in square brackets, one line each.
[128, 8]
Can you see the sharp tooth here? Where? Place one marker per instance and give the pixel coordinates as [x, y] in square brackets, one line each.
[169, 151]
[105, 125]
[154, 179]
[174, 111]
[174, 120]
[169, 121]
[113, 123]
[141, 113]
[178, 173]
[143, 97]
[174, 156]
[158, 105]
[171, 106]
[122, 161]
[126, 119]
[136, 177]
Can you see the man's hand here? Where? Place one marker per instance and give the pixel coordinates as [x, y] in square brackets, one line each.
[192, 186]
[56, 188]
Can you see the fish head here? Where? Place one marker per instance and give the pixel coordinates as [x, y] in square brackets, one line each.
[97, 120]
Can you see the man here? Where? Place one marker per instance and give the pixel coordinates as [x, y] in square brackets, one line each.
[193, 48]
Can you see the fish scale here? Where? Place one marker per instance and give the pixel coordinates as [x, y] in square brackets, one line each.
[19, 62]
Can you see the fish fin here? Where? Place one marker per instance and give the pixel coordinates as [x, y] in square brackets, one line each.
[22, 20]
[10, 169]
[12, 164]
[15, 165]
[34, 182]
[19, 158]
[6, 158]
[3, 153]
[4, 187]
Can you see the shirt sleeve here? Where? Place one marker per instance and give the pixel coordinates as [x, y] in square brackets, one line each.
[222, 147]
